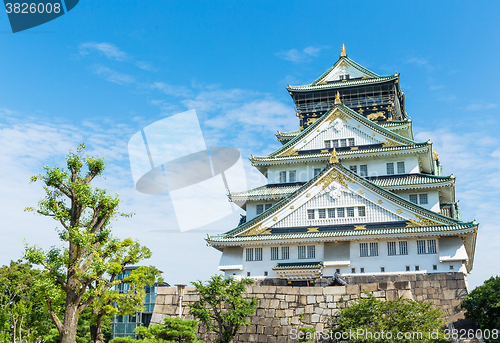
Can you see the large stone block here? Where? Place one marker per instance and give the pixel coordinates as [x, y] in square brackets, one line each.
[309, 309]
[353, 289]
[290, 298]
[274, 303]
[311, 299]
[405, 293]
[391, 294]
[449, 294]
[167, 290]
[334, 290]
[402, 285]
[311, 290]
[315, 318]
[369, 287]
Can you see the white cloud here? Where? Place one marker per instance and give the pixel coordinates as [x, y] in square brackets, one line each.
[177, 91]
[112, 75]
[297, 56]
[480, 106]
[145, 66]
[109, 50]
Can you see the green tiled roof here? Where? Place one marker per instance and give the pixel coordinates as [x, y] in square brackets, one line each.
[288, 134]
[354, 115]
[296, 265]
[343, 84]
[394, 123]
[326, 156]
[280, 192]
[350, 233]
[349, 61]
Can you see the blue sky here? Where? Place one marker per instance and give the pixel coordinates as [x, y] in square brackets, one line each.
[107, 69]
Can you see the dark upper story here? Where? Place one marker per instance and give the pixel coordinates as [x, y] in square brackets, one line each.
[378, 98]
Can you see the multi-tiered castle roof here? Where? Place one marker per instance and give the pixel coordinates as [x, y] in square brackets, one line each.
[349, 192]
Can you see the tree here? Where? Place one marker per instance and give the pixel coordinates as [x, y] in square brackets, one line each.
[483, 305]
[174, 330]
[221, 307]
[91, 254]
[23, 316]
[374, 320]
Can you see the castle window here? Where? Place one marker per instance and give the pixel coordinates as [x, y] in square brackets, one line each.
[361, 270]
[420, 247]
[390, 168]
[258, 254]
[260, 208]
[343, 142]
[417, 268]
[361, 211]
[434, 267]
[401, 167]
[292, 176]
[414, 198]
[451, 267]
[407, 268]
[265, 273]
[322, 213]
[431, 247]
[335, 143]
[340, 213]
[274, 253]
[363, 249]
[248, 273]
[328, 144]
[302, 251]
[310, 214]
[363, 170]
[331, 213]
[311, 251]
[249, 252]
[354, 169]
[373, 249]
[353, 270]
[337, 270]
[350, 211]
[285, 253]
[317, 171]
[282, 176]
[351, 141]
[423, 199]
[382, 269]
[268, 206]
[403, 248]
[391, 248]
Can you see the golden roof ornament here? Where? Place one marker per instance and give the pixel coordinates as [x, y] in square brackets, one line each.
[334, 158]
[337, 99]
[342, 51]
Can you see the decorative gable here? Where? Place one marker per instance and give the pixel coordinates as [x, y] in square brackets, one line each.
[344, 71]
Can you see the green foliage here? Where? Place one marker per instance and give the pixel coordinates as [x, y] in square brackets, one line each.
[23, 314]
[371, 316]
[174, 330]
[87, 264]
[483, 305]
[221, 307]
[124, 340]
[307, 336]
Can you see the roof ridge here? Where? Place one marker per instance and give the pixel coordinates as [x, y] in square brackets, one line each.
[349, 61]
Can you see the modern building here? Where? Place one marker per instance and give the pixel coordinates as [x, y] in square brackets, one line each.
[124, 326]
[350, 191]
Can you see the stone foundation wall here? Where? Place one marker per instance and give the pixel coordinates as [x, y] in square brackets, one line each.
[283, 308]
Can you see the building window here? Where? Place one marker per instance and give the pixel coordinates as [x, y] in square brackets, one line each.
[285, 253]
[328, 144]
[451, 267]
[340, 213]
[311, 251]
[274, 253]
[417, 268]
[265, 273]
[363, 249]
[310, 214]
[401, 167]
[292, 176]
[258, 254]
[403, 248]
[343, 142]
[361, 270]
[282, 176]
[361, 211]
[363, 170]
[420, 247]
[322, 213]
[317, 171]
[248, 273]
[331, 213]
[414, 198]
[373, 249]
[260, 209]
[354, 169]
[423, 199]
[337, 270]
[431, 246]
[249, 254]
[351, 141]
[302, 251]
[390, 168]
[434, 267]
[350, 211]
[268, 206]
[353, 270]
[407, 268]
[391, 248]
[335, 143]
[382, 269]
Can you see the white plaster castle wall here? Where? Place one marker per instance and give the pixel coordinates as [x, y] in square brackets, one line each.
[371, 264]
[432, 198]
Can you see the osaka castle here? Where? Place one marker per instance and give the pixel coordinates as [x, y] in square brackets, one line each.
[349, 192]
